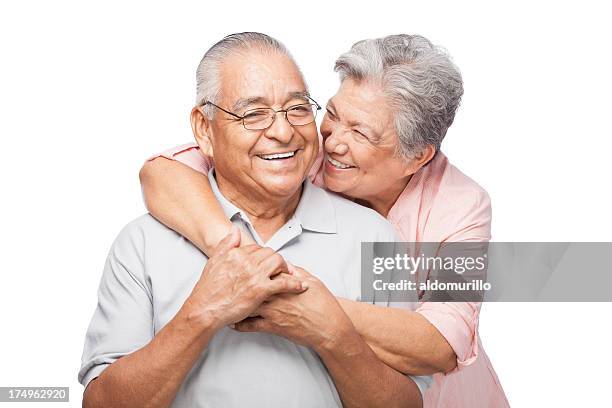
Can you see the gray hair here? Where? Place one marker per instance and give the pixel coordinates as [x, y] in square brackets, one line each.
[422, 85]
[207, 75]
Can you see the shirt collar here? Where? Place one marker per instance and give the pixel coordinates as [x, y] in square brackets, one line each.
[227, 206]
[315, 211]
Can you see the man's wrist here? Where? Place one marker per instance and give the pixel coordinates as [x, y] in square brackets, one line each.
[201, 321]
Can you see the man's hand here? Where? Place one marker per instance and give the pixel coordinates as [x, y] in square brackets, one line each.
[313, 319]
[236, 281]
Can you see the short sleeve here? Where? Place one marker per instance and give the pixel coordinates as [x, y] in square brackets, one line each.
[123, 320]
[458, 321]
[190, 155]
[423, 382]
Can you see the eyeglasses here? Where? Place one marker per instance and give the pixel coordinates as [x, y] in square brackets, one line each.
[263, 118]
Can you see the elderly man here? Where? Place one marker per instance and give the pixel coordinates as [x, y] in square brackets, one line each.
[160, 334]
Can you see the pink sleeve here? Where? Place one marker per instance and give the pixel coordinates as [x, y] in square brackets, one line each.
[458, 321]
[188, 154]
[316, 171]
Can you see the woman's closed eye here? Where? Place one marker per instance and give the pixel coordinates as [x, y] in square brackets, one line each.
[361, 135]
[331, 114]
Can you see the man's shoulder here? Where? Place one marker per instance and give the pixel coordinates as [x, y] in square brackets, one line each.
[348, 208]
[352, 217]
[143, 224]
[144, 229]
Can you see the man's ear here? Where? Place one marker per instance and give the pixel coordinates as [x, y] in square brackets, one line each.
[201, 127]
[420, 160]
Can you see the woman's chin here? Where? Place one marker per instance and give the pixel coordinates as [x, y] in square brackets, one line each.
[335, 183]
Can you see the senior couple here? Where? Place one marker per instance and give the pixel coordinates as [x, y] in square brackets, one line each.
[242, 287]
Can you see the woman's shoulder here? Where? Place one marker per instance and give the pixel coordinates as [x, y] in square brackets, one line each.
[454, 186]
[449, 206]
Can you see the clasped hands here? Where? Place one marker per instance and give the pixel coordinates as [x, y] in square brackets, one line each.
[253, 289]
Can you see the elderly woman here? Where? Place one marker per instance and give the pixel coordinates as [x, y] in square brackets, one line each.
[382, 133]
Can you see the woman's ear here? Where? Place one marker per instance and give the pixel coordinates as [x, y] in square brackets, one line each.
[201, 127]
[420, 160]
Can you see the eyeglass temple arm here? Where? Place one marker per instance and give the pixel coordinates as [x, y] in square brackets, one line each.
[228, 112]
[315, 102]
[242, 117]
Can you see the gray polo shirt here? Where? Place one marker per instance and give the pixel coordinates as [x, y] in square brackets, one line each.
[151, 270]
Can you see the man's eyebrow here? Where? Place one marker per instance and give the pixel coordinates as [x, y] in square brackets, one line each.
[243, 103]
[304, 95]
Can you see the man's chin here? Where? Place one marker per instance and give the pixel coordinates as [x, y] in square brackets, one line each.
[281, 186]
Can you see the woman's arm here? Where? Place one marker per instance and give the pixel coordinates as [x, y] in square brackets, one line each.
[177, 193]
[402, 339]
[181, 198]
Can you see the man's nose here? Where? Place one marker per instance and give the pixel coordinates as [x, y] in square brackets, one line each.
[280, 129]
[335, 143]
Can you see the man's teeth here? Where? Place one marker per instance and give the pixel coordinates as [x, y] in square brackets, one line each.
[277, 155]
[338, 164]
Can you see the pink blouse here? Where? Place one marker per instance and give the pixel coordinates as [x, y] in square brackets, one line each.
[439, 204]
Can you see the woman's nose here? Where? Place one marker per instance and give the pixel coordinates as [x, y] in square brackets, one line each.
[334, 144]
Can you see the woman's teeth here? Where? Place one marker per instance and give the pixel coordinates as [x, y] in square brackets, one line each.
[338, 164]
[277, 155]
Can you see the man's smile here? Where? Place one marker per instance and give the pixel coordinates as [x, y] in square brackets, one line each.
[278, 156]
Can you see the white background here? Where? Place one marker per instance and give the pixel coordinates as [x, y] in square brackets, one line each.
[88, 91]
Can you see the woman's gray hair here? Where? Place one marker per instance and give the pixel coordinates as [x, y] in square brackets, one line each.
[207, 75]
[422, 85]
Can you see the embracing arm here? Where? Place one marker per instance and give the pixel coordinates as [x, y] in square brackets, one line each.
[362, 379]
[403, 339]
[177, 193]
[315, 319]
[181, 198]
[438, 336]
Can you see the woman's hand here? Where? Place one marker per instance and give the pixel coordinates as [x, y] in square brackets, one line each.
[312, 318]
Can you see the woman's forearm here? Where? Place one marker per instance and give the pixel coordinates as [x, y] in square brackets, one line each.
[182, 199]
[363, 380]
[404, 340]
